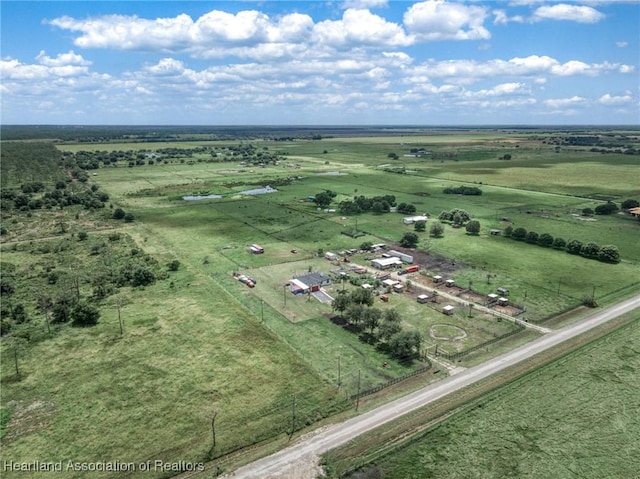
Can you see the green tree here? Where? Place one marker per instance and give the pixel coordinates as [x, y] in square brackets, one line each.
[574, 246]
[519, 234]
[420, 226]
[609, 254]
[84, 314]
[531, 237]
[628, 204]
[559, 243]
[19, 314]
[173, 265]
[546, 240]
[341, 302]
[590, 250]
[324, 198]
[119, 213]
[405, 344]
[607, 208]
[473, 227]
[508, 231]
[388, 329]
[436, 230]
[354, 313]
[409, 240]
[587, 212]
[371, 318]
[362, 296]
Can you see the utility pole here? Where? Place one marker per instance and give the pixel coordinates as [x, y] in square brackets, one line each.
[119, 318]
[358, 395]
[213, 429]
[293, 417]
[339, 372]
[262, 310]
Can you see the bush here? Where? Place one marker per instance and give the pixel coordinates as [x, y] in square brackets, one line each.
[590, 250]
[519, 234]
[409, 240]
[607, 208]
[559, 243]
[508, 231]
[436, 230]
[84, 314]
[574, 247]
[129, 218]
[119, 213]
[609, 254]
[531, 237]
[174, 265]
[473, 227]
[546, 240]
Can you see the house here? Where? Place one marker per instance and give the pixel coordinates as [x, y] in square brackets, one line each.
[385, 263]
[298, 287]
[407, 258]
[448, 310]
[413, 219]
[256, 249]
[313, 281]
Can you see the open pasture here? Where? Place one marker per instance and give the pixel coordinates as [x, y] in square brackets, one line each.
[578, 415]
[209, 343]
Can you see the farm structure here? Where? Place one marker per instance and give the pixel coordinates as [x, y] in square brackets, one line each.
[256, 249]
[448, 310]
[407, 258]
[385, 263]
[413, 219]
[309, 282]
[423, 298]
[330, 256]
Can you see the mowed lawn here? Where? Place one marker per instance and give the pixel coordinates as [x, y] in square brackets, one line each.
[577, 417]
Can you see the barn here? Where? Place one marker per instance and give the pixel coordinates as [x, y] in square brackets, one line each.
[385, 263]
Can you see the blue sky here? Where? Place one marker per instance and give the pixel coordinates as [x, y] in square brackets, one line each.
[432, 62]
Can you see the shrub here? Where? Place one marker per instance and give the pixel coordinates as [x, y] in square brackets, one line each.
[574, 247]
[519, 234]
[609, 254]
[590, 250]
[119, 213]
[409, 240]
[546, 240]
[129, 218]
[84, 314]
[607, 208]
[473, 227]
[436, 230]
[559, 243]
[174, 265]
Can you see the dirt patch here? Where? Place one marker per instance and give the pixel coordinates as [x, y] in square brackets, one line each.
[431, 262]
[27, 418]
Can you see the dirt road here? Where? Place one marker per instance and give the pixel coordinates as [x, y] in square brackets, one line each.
[300, 460]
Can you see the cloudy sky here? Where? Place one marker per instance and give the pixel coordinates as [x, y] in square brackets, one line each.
[431, 62]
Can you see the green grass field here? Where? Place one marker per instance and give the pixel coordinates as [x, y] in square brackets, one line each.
[201, 342]
[578, 416]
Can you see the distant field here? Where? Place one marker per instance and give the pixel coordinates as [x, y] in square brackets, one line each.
[576, 416]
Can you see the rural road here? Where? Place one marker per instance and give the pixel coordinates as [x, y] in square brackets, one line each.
[298, 460]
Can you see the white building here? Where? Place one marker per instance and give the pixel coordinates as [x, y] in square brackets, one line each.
[384, 263]
[412, 219]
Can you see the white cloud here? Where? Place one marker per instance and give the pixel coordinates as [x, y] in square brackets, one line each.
[609, 99]
[438, 20]
[563, 11]
[468, 71]
[622, 44]
[565, 102]
[62, 59]
[364, 4]
[357, 28]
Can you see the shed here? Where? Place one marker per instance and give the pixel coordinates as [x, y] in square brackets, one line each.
[407, 258]
[437, 278]
[398, 288]
[448, 310]
[384, 263]
[423, 298]
[298, 287]
[413, 219]
[491, 297]
[390, 282]
[503, 291]
[450, 282]
[256, 249]
[495, 232]
[503, 301]
[331, 256]
[314, 280]
[367, 286]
